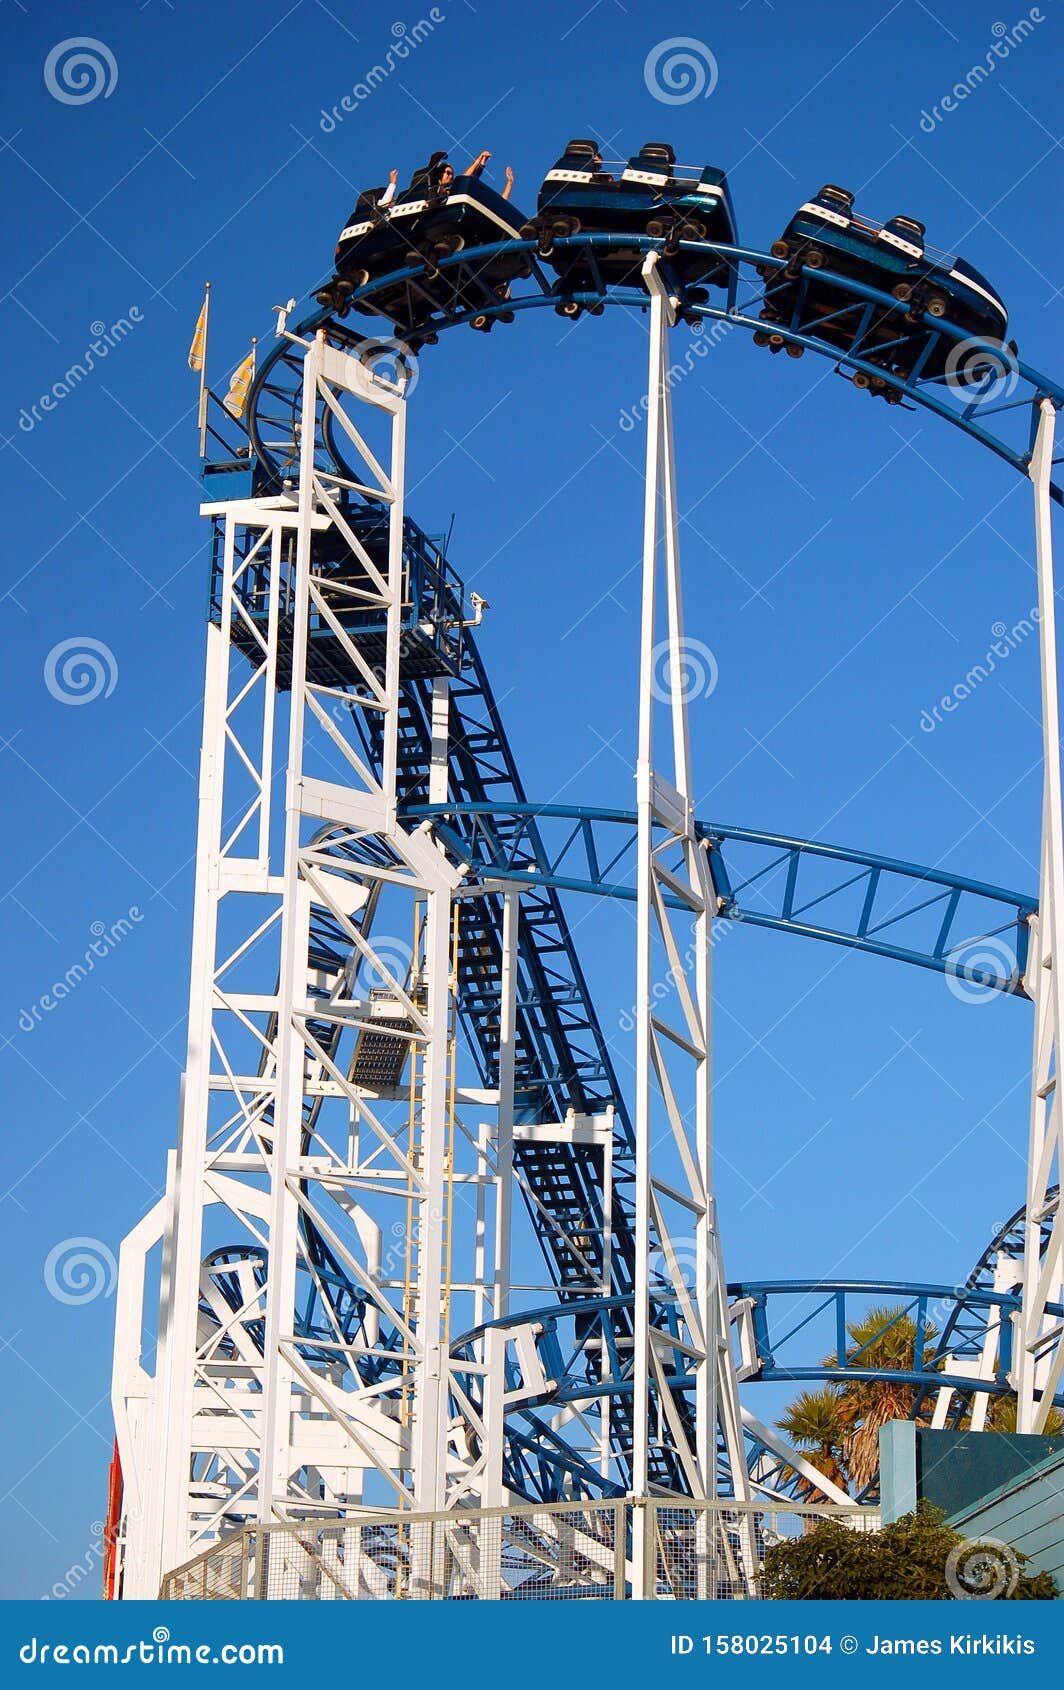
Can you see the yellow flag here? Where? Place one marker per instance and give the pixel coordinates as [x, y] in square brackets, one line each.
[199, 340]
[236, 399]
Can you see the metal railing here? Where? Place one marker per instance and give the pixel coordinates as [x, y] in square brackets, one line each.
[573, 1551]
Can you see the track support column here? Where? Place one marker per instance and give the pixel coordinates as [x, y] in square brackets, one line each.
[1039, 1359]
[678, 1316]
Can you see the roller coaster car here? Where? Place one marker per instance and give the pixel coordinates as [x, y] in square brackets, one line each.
[826, 234]
[418, 230]
[648, 198]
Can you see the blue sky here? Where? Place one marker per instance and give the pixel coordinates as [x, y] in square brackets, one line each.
[845, 563]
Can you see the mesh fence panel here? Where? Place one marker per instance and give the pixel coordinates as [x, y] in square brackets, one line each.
[716, 1551]
[562, 1552]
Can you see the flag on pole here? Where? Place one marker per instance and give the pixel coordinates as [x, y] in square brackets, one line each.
[236, 399]
[197, 352]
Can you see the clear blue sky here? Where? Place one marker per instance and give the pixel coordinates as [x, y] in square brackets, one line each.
[848, 566]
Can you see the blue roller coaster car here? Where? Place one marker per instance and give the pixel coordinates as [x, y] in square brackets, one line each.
[650, 197]
[417, 230]
[826, 234]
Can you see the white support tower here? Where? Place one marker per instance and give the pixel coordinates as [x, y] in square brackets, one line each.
[244, 1417]
[680, 1319]
[1039, 1340]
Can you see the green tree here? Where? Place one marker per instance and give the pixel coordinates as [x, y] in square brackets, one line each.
[917, 1558]
[837, 1428]
[887, 1340]
[816, 1427]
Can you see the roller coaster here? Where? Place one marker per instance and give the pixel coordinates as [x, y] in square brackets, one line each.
[391, 1035]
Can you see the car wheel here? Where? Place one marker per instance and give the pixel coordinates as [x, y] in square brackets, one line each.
[481, 322]
[655, 228]
[760, 337]
[902, 291]
[795, 351]
[937, 306]
[860, 379]
[568, 308]
[813, 258]
[780, 249]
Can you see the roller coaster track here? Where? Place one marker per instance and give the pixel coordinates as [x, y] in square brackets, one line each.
[999, 411]
[961, 928]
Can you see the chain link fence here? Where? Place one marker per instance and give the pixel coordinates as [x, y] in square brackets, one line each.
[562, 1552]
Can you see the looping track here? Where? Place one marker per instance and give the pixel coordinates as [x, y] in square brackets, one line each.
[1000, 412]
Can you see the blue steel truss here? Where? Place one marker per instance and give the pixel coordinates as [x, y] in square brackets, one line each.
[1000, 413]
[883, 905]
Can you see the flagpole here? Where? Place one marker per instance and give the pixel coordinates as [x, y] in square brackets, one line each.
[202, 413]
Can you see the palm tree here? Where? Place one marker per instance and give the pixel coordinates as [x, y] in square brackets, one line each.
[837, 1429]
[885, 1340]
[815, 1425]
[1001, 1417]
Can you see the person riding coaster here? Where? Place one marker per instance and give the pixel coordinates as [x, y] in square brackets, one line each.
[436, 217]
[649, 197]
[825, 234]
